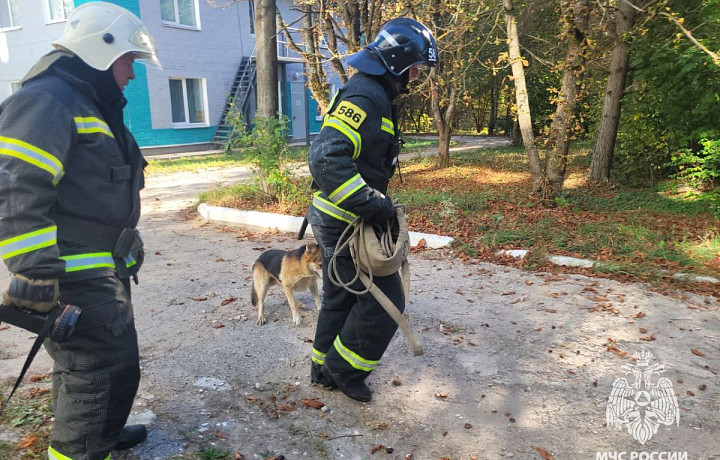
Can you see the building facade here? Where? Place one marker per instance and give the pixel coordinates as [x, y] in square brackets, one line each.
[201, 47]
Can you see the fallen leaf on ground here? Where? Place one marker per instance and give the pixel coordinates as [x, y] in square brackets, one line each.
[228, 300]
[219, 435]
[218, 325]
[617, 351]
[648, 338]
[697, 352]
[544, 454]
[39, 392]
[238, 456]
[199, 299]
[314, 403]
[421, 243]
[549, 310]
[441, 395]
[376, 448]
[38, 377]
[640, 314]
[28, 441]
[4, 328]
[467, 426]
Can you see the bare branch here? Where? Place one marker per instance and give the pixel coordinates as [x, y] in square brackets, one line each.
[715, 57]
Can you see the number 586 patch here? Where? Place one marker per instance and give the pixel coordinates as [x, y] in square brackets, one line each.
[350, 114]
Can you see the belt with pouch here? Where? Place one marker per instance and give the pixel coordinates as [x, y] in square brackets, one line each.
[119, 241]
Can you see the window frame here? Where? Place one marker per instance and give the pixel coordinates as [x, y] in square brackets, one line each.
[12, 86]
[12, 21]
[186, 106]
[48, 11]
[177, 24]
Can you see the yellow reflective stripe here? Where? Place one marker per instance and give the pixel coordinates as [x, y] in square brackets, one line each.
[130, 261]
[89, 125]
[55, 455]
[353, 358]
[351, 134]
[28, 242]
[348, 188]
[88, 261]
[318, 356]
[388, 126]
[33, 155]
[331, 209]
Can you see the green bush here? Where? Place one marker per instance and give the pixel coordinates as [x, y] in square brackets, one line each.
[266, 148]
[699, 169]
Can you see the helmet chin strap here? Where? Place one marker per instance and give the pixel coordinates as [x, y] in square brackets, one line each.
[404, 81]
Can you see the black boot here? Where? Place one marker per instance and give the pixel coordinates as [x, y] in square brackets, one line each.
[131, 436]
[356, 391]
[317, 377]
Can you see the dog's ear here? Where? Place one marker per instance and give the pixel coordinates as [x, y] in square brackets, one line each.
[311, 248]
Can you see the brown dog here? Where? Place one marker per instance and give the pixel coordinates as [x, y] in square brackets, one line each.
[294, 270]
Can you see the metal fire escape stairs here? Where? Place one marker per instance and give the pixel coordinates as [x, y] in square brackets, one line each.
[237, 100]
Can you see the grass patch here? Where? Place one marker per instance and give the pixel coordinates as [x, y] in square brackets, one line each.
[212, 453]
[484, 201]
[27, 413]
[219, 160]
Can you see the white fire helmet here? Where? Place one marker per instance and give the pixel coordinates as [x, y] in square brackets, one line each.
[100, 32]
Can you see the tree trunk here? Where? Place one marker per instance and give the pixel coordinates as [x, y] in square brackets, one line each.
[603, 152]
[267, 64]
[444, 146]
[521, 97]
[493, 106]
[516, 134]
[576, 17]
[443, 121]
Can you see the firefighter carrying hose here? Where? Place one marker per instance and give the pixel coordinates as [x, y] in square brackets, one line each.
[351, 162]
[70, 177]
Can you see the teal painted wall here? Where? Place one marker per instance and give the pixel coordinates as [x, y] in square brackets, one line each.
[312, 113]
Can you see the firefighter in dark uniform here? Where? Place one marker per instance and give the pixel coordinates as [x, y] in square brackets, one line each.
[70, 177]
[351, 162]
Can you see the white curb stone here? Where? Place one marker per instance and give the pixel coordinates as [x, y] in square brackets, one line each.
[695, 278]
[571, 261]
[516, 253]
[291, 224]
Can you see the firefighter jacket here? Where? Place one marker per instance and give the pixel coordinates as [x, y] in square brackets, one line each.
[70, 176]
[355, 154]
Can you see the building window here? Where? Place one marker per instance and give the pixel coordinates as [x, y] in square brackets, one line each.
[187, 100]
[179, 12]
[14, 87]
[8, 14]
[59, 10]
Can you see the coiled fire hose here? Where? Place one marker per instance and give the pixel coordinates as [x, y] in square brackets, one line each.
[381, 255]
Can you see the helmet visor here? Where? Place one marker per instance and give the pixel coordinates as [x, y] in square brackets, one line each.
[145, 50]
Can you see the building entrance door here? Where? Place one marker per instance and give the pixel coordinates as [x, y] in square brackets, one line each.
[298, 110]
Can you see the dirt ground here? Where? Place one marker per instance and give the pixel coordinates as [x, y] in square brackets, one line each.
[516, 365]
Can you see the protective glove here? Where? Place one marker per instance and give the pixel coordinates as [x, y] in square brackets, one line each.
[385, 210]
[36, 295]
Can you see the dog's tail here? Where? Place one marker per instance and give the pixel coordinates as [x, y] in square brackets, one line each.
[253, 295]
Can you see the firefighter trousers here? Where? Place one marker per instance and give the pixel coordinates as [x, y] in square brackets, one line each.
[353, 331]
[96, 373]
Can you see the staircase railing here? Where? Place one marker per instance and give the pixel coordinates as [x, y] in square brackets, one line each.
[237, 100]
